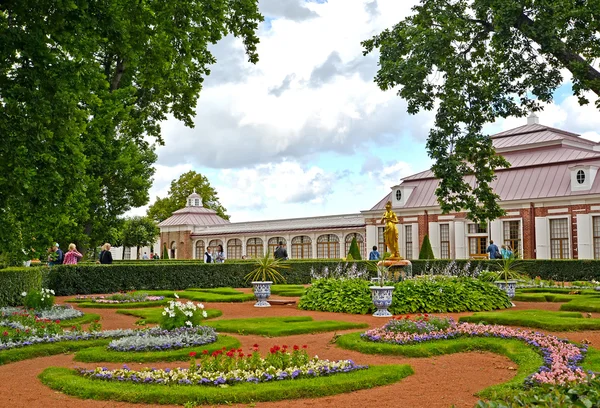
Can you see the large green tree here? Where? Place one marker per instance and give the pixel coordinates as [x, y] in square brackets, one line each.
[479, 60]
[139, 232]
[180, 189]
[84, 85]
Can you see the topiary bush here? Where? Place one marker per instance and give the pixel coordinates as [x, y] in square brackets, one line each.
[430, 294]
[426, 250]
[354, 251]
[338, 295]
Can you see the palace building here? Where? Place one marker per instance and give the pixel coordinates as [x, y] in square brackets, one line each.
[550, 194]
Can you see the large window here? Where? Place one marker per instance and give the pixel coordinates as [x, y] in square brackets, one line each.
[445, 241]
[596, 235]
[254, 248]
[234, 248]
[477, 246]
[359, 240]
[274, 242]
[512, 235]
[126, 253]
[381, 240]
[559, 238]
[328, 246]
[214, 245]
[301, 247]
[408, 241]
[200, 249]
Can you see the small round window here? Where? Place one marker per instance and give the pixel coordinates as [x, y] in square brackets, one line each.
[580, 176]
[398, 195]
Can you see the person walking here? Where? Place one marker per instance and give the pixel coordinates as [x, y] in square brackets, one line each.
[72, 256]
[219, 255]
[493, 251]
[208, 255]
[374, 254]
[106, 256]
[58, 257]
[280, 252]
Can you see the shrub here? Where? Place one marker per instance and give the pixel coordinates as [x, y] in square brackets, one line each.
[178, 314]
[424, 294]
[441, 294]
[426, 250]
[38, 300]
[354, 252]
[338, 295]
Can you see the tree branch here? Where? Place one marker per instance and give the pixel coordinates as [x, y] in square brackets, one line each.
[114, 85]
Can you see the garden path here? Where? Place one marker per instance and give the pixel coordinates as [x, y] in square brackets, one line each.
[437, 382]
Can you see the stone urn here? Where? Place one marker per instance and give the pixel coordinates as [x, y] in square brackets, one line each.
[262, 291]
[382, 299]
[509, 287]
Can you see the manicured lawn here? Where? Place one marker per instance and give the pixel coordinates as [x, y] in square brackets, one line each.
[47, 349]
[281, 326]
[86, 318]
[524, 356]
[564, 291]
[583, 304]
[102, 354]
[288, 290]
[202, 295]
[69, 382]
[546, 297]
[153, 314]
[220, 291]
[541, 319]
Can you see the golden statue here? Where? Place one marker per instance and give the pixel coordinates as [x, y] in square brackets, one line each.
[390, 234]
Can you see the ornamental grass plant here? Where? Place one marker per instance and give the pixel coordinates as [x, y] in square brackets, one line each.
[267, 269]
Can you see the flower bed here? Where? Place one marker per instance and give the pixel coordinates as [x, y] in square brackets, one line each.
[230, 367]
[165, 339]
[561, 358]
[61, 313]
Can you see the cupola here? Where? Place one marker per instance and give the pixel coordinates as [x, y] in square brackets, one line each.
[194, 200]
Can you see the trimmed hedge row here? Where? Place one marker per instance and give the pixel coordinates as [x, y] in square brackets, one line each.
[89, 279]
[14, 281]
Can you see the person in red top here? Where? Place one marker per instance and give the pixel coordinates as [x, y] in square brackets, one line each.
[72, 256]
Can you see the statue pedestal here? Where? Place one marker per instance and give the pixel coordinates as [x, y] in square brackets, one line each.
[397, 268]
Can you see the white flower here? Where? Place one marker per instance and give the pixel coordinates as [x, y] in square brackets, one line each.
[188, 323]
[164, 313]
[24, 294]
[204, 314]
[176, 295]
[200, 305]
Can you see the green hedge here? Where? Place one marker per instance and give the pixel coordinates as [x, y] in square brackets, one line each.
[548, 269]
[89, 279]
[14, 281]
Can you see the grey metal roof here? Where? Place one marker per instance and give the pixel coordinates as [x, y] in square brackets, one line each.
[197, 216]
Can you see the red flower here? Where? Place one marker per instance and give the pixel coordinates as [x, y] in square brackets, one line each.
[193, 353]
[230, 353]
[305, 346]
[240, 355]
[255, 346]
[296, 347]
[57, 321]
[205, 352]
[5, 333]
[284, 347]
[224, 349]
[239, 350]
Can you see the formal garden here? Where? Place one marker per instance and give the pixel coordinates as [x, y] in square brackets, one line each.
[184, 333]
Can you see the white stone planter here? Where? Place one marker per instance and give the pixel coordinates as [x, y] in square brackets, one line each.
[262, 291]
[508, 286]
[382, 299]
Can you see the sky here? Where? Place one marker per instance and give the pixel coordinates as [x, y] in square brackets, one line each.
[306, 131]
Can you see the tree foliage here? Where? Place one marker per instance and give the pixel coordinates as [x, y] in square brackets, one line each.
[83, 89]
[479, 60]
[139, 232]
[180, 189]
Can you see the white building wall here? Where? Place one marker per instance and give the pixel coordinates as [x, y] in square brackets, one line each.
[460, 241]
[496, 232]
[585, 236]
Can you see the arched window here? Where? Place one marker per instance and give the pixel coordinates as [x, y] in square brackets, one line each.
[301, 247]
[328, 246]
[274, 242]
[234, 249]
[173, 253]
[254, 248]
[359, 240]
[200, 249]
[213, 244]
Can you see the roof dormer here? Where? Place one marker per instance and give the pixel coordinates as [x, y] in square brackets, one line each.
[401, 194]
[582, 177]
[194, 200]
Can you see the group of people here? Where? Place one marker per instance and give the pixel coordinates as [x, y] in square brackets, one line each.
[495, 253]
[217, 257]
[57, 257]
